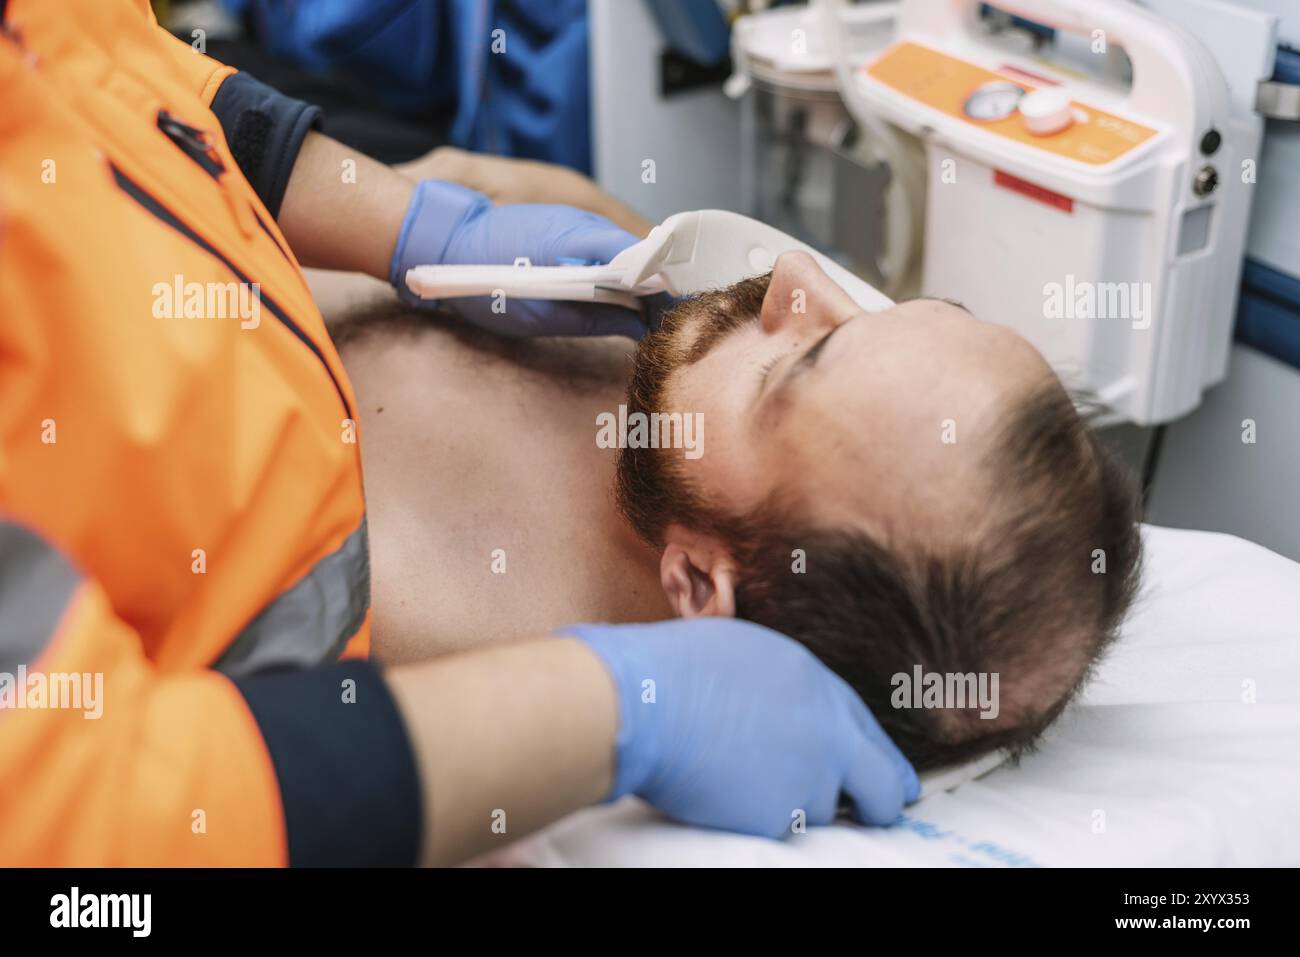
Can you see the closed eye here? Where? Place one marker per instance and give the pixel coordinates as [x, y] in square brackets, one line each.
[805, 361]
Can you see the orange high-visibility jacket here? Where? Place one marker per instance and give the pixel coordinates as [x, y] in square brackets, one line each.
[180, 492]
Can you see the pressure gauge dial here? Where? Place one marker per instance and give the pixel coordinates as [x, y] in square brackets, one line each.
[995, 100]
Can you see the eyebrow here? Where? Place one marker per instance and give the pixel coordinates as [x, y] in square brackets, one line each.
[951, 302]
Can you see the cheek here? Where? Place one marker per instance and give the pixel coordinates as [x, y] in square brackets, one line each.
[814, 440]
[727, 468]
[725, 475]
[710, 389]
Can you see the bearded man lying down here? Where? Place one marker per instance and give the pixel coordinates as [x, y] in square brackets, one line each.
[908, 492]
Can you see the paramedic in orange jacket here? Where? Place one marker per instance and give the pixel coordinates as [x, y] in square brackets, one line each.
[183, 556]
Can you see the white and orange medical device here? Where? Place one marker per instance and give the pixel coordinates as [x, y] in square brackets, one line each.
[1101, 213]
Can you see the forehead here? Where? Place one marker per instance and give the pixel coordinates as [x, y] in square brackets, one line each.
[897, 424]
[964, 352]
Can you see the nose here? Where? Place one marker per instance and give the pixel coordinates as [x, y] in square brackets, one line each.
[801, 297]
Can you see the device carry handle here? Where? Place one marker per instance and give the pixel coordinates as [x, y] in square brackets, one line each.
[1162, 73]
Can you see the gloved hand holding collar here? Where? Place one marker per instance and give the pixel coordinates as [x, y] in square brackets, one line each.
[724, 723]
[449, 224]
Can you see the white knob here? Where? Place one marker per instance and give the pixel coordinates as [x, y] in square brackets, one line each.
[1046, 111]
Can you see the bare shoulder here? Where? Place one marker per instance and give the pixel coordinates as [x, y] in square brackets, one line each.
[384, 327]
[365, 318]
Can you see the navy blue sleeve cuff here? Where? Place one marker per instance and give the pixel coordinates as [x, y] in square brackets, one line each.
[347, 775]
[265, 130]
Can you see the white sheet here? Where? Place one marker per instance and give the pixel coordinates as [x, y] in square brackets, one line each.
[1184, 750]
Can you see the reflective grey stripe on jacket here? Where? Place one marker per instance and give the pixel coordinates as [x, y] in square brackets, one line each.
[36, 584]
[311, 622]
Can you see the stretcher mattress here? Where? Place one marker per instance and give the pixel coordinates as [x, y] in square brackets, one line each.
[1183, 750]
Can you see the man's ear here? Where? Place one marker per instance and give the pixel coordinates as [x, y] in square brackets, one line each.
[698, 574]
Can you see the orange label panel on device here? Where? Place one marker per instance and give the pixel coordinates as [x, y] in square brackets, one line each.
[947, 84]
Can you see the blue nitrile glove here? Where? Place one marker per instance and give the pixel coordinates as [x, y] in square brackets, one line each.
[449, 224]
[727, 724]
